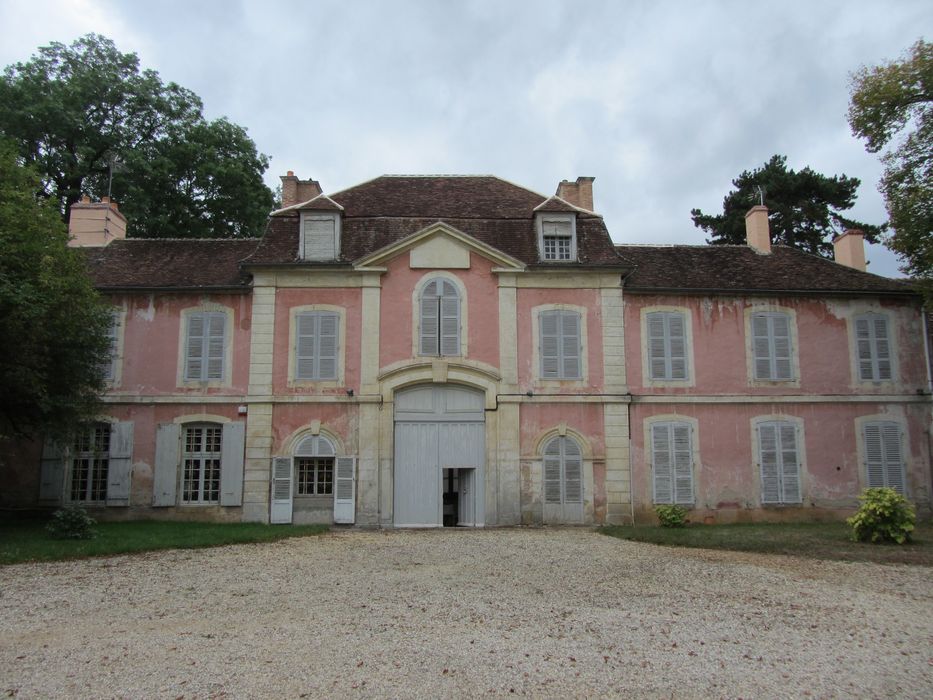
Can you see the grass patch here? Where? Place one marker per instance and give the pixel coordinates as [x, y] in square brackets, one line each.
[29, 541]
[816, 540]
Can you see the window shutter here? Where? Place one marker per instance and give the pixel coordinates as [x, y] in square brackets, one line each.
[662, 460]
[893, 461]
[573, 472]
[107, 367]
[165, 474]
[550, 344]
[120, 467]
[866, 369]
[194, 347]
[570, 345]
[882, 348]
[781, 346]
[874, 455]
[345, 490]
[768, 457]
[790, 464]
[280, 508]
[327, 346]
[657, 356]
[683, 464]
[232, 447]
[51, 473]
[450, 321]
[215, 345]
[429, 320]
[552, 485]
[320, 239]
[677, 345]
[305, 330]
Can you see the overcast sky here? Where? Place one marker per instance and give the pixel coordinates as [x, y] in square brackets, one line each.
[664, 103]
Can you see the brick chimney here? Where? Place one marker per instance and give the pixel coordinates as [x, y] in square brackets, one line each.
[757, 231]
[579, 193]
[849, 249]
[295, 191]
[93, 224]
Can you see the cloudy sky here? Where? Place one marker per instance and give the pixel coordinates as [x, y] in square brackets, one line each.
[662, 102]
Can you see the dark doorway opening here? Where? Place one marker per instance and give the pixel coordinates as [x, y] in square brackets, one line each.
[451, 497]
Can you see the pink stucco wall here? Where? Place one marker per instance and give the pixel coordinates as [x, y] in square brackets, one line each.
[823, 345]
[349, 299]
[338, 419]
[482, 317]
[153, 328]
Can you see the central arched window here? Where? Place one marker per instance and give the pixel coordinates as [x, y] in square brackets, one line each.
[314, 467]
[440, 318]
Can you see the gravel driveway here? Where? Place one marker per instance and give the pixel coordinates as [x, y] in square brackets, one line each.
[546, 612]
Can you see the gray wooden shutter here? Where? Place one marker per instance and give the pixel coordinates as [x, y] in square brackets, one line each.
[781, 346]
[320, 239]
[165, 473]
[216, 339]
[51, 473]
[549, 330]
[662, 463]
[232, 446]
[573, 471]
[874, 455]
[882, 349]
[194, 347]
[677, 345]
[866, 370]
[761, 345]
[280, 506]
[683, 463]
[873, 347]
[120, 466]
[570, 345]
[345, 490]
[305, 330]
[108, 366]
[552, 472]
[768, 458]
[450, 320]
[790, 463]
[328, 326]
[657, 360]
[884, 459]
[430, 321]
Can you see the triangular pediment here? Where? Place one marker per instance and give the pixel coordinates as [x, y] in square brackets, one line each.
[440, 246]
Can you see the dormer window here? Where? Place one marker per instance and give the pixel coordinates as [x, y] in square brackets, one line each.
[320, 236]
[557, 237]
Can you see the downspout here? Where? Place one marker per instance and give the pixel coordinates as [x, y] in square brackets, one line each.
[926, 348]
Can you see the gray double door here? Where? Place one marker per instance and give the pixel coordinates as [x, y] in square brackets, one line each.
[440, 447]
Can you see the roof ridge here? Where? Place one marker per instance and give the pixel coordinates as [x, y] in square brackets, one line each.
[192, 240]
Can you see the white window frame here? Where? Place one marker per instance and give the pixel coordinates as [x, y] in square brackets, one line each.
[538, 355]
[894, 438]
[182, 379]
[315, 447]
[781, 424]
[319, 216]
[201, 456]
[667, 313]
[98, 461]
[416, 297]
[874, 347]
[670, 422]
[542, 219]
[770, 312]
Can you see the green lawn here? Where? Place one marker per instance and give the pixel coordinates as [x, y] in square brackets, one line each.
[817, 540]
[29, 541]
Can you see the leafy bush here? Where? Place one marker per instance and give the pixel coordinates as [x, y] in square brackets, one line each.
[71, 523]
[671, 516]
[884, 516]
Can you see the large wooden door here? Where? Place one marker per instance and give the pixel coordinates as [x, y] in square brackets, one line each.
[437, 427]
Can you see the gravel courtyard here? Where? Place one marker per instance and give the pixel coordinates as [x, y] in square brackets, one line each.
[547, 613]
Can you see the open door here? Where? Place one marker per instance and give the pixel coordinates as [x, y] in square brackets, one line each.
[345, 491]
[280, 507]
[466, 511]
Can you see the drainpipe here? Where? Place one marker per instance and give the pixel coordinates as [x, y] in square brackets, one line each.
[926, 348]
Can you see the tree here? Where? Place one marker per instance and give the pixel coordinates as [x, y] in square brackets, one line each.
[75, 110]
[887, 101]
[803, 208]
[53, 325]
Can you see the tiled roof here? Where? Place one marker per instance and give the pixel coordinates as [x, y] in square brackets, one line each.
[725, 268]
[159, 263]
[382, 211]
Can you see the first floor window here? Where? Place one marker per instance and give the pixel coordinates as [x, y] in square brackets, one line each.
[780, 462]
[772, 346]
[205, 344]
[667, 345]
[563, 471]
[672, 462]
[108, 366]
[90, 463]
[440, 319]
[884, 462]
[560, 345]
[201, 464]
[315, 476]
[316, 345]
[873, 347]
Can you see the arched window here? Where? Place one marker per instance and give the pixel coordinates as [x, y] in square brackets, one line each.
[563, 472]
[314, 467]
[440, 318]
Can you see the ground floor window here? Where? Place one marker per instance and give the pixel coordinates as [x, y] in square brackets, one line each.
[201, 464]
[563, 471]
[90, 463]
[884, 460]
[315, 476]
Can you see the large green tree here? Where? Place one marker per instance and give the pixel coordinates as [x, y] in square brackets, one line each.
[53, 325]
[803, 208]
[894, 102]
[74, 110]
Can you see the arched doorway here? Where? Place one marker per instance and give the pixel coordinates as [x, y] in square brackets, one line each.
[440, 447]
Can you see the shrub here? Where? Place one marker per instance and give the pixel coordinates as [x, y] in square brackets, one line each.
[884, 516]
[671, 516]
[71, 523]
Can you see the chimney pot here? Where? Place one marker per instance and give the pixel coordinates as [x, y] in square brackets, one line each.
[849, 249]
[757, 230]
